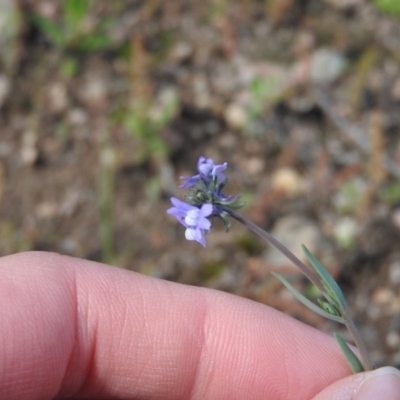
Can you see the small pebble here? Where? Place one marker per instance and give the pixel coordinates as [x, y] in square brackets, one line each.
[393, 339]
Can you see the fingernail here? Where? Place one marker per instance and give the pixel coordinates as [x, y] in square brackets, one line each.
[384, 383]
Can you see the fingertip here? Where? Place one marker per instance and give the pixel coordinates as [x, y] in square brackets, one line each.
[383, 383]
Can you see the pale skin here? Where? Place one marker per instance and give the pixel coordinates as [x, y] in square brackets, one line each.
[71, 328]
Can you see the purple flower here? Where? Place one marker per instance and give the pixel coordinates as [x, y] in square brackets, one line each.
[205, 166]
[193, 218]
[217, 172]
[207, 171]
[180, 210]
[203, 200]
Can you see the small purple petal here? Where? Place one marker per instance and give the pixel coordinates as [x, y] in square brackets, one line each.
[206, 209]
[192, 217]
[180, 210]
[190, 182]
[196, 218]
[196, 234]
[217, 172]
[205, 166]
[204, 224]
[181, 205]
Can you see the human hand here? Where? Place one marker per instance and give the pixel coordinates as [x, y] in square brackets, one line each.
[71, 328]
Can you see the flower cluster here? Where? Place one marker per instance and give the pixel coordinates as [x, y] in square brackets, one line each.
[204, 200]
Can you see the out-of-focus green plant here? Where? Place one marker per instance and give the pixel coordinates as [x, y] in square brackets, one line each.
[106, 180]
[146, 118]
[345, 232]
[13, 239]
[74, 31]
[390, 7]
[10, 28]
[217, 9]
[69, 67]
[261, 91]
[390, 193]
[212, 269]
[350, 195]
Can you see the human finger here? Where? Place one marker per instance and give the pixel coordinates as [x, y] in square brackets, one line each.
[72, 327]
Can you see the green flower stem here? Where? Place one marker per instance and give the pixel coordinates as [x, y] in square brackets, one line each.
[358, 341]
[312, 276]
[308, 272]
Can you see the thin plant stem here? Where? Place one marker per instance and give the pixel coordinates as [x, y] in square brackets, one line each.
[308, 272]
[358, 341]
[312, 276]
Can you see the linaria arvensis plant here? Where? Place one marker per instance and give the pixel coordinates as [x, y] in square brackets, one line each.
[205, 199]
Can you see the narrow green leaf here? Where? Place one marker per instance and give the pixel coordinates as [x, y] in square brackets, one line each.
[329, 283]
[237, 206]
[352, 359]
[51, 30]
[232, 206]
[227, 221]
[75, 11]
[308, 303]
[93, 42]
[328, 307]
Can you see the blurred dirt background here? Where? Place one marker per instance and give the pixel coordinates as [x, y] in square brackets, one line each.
[105, 104]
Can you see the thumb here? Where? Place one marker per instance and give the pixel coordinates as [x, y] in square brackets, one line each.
[383, 383]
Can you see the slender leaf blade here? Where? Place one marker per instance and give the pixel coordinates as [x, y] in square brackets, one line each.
[50, 29]
[75, 11]
[351, 358]
[308, 303]
[329, 283]
[93, 42]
